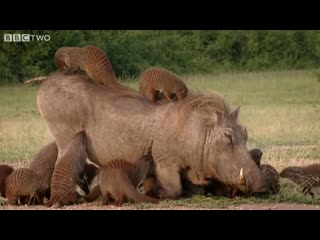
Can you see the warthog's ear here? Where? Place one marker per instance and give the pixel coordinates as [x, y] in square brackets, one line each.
[234, 114]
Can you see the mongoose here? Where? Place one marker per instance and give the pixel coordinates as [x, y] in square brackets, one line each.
[31, 185]
[66, 176]
[33, 182]
[272, 178]
[5, 171]
[87, 175]
[24, 182]
[306, 176]
[119, 179]
[90, 59]
[160, 85]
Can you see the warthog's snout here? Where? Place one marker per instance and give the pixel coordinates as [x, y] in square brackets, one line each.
[254, 183]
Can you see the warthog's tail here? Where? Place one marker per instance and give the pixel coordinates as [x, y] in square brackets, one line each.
[37, 79]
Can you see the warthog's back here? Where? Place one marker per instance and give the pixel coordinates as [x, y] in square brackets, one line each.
[118, 124]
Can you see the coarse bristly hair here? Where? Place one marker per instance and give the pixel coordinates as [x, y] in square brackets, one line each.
[213, 109]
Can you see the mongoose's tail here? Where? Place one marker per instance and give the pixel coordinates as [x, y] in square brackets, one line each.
[94, 194]
[133, 194]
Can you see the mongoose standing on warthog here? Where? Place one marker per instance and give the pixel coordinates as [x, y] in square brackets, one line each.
[90, 59]
[158, 82]
[119, 180]
[307, 176]
[5, 171]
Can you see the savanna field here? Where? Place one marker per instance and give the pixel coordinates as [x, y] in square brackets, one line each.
[281, 111]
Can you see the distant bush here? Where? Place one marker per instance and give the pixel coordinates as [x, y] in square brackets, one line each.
[180, 51]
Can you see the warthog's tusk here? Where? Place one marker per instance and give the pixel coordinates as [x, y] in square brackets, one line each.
[242, 179]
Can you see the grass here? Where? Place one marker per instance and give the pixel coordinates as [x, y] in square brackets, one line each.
[281, 111]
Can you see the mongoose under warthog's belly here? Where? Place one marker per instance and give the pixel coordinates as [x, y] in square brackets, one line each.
[119, 179]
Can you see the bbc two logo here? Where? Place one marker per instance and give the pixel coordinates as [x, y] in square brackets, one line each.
[25, 38]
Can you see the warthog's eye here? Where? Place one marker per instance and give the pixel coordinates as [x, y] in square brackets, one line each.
[230, 137]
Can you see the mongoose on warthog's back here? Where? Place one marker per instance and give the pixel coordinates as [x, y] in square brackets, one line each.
[306, 176]
[119, 179]
[5, 171]
[90, 59]
[158, 81]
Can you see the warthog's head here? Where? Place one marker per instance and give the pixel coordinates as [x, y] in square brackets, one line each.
[232, 163]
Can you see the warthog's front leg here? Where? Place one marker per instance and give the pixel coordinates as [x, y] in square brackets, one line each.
[169, 179]
[66, 172]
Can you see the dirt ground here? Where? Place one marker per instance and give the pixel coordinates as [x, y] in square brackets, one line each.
[96, 206]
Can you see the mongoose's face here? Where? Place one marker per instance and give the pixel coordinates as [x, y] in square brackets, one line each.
[182, 93]
[86, 177]
[5, 171]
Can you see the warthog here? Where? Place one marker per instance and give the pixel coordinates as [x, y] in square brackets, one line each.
[200, 133]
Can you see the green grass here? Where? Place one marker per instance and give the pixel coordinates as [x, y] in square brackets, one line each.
[281, 111]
